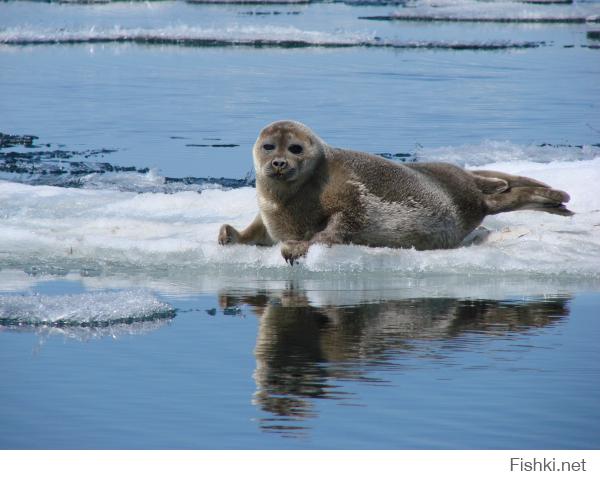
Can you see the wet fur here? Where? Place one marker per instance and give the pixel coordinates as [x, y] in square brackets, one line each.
[330, 195]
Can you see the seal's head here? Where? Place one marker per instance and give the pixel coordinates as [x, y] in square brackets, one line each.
[287, 152]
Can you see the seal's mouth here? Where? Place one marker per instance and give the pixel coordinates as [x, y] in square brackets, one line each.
[287, 174]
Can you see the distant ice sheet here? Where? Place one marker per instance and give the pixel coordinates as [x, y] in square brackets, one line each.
[52, 227]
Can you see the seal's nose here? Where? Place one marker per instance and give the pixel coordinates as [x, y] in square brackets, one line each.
[279, 163]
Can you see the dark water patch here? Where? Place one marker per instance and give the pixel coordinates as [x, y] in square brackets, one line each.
[54, 166]
[401, 157]
[56, 162]
[72, 169]
[593, 35]
[40, 155]
[475, 19]
[20, 167]
[35, 163]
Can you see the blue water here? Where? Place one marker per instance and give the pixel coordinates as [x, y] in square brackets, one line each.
[135, 98]
[266, 369]
[278, 359]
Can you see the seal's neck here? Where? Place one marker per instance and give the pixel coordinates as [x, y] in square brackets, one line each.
[277, 190]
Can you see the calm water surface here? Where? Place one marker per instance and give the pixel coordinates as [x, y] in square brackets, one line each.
[136, 98]
[298, 368]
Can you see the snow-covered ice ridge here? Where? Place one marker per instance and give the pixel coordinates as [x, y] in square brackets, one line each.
[493, 11]
[52, 226]
[181, 34]
[84, 309]
[234, 36]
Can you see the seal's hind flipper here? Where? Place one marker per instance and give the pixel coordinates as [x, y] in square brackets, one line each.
[529, 198]
[512, 180]
[490, 184]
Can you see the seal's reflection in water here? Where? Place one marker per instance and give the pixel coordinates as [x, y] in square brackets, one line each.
[302, 349]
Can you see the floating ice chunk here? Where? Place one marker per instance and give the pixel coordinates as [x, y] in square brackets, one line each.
[183, 34]
[85, 309]
[249, 36]
[499, 11]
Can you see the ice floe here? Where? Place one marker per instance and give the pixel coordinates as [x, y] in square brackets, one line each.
[47, 227]
[494, 11]
[240, 36]
[84, 309]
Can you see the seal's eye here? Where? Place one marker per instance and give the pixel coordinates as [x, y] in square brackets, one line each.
[269, 146]
[295, 149]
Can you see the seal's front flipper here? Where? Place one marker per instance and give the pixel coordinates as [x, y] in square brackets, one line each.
[228, 235]
[254, 234]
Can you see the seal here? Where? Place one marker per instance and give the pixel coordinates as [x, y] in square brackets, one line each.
[309, 192]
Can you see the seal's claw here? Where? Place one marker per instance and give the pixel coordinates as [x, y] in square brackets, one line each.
[287, 257]
[292, 250]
